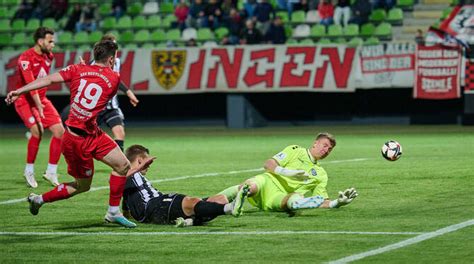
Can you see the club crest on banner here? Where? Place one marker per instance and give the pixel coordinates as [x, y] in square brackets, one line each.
[168, 67]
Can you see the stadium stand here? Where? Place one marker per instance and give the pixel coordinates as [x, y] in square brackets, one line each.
[153, 23]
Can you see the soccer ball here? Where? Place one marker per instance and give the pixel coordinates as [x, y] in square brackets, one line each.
[391, 150]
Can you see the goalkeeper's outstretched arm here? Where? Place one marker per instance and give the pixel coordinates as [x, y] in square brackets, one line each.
[297, 201]
[272, 165]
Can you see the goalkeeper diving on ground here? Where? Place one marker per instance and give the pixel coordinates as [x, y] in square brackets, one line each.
[294, 180]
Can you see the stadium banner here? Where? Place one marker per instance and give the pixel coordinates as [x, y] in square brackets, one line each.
[387, 65]
[226, 69]
[244, 69]
[460, 23]
[437, 72]
[469, 72]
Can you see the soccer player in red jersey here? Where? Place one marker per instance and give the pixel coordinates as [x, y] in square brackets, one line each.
[36, 111]
[92, 86]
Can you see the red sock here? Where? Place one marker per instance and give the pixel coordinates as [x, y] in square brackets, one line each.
[54, 150]
[117, 185]
[33, 146]
[58, 193]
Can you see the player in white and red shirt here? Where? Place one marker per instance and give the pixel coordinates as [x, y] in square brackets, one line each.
[92, 86]
[36, 111]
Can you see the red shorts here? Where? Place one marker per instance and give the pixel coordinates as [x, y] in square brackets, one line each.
[31, 117]
[80, 152]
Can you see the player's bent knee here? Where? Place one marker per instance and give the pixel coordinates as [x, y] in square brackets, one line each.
[81, 187]
[58, 131]
[188, 205]
[253, 187]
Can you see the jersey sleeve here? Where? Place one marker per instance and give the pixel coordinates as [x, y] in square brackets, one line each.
[68, 72]
[286, 155]
[26, 72]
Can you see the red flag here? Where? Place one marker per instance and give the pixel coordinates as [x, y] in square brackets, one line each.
[437, 72]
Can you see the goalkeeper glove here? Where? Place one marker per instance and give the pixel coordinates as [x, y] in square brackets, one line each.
[344, 198]
[289, 172]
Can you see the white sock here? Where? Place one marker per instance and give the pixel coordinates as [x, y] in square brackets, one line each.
[30, 167]
[52, 168]
[228, 208]
[114, 210]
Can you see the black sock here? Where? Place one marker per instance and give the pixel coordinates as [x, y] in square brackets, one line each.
[208, 209]
[119, 143]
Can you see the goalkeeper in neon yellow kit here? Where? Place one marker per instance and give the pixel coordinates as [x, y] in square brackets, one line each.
[294, 180]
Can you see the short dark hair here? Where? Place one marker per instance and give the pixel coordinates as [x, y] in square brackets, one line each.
[329, 136]
[109, 36]
[104, 49]
[41, 32]
[134, 151]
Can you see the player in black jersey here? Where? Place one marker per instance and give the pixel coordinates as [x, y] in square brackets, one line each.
[146, 204]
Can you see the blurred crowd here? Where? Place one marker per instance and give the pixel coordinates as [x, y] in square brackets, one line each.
[255, 22]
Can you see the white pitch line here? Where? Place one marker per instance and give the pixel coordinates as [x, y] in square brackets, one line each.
[239, 233]
[209, 174]
[405, 243]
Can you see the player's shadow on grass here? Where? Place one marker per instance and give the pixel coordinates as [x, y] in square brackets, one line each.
[86, 225]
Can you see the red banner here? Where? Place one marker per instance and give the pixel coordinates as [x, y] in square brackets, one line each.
[469, 77]
[437, 72]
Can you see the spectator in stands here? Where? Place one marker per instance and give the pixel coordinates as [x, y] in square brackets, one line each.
[287, 5]
[292, 5]
[74, 18]
[24, 10]
[326, 12]
[361, 10]
[262, 14]
[419, 37]
[312, 4]
[249, 7]
[181, 13]
[233, 22]
[250, 35]
[342, 12]
[213, 15]
[191, 43]
[41, 8]
[88, 19]
[226, 6]
[196, 14]
[385, 4]
[276, 32]
[58, 11]
[119, 7]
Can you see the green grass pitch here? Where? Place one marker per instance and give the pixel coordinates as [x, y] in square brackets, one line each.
[430, 188]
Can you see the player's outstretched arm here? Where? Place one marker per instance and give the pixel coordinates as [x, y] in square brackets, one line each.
[272, 166]
[35, 85]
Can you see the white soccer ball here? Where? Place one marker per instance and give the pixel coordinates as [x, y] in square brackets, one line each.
[391, 150]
